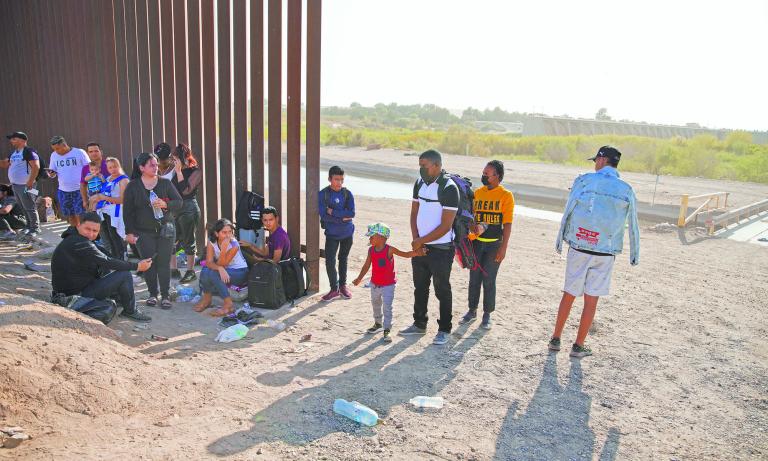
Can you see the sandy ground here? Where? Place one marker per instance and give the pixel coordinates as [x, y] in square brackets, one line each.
[396, 163]
[679, 370]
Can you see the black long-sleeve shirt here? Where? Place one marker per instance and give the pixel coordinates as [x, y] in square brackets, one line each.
[138, 214]
[77, 261]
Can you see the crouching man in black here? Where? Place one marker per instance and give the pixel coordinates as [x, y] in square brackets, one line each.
[80, 267]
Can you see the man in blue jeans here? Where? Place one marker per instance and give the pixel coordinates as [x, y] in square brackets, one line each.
[80, 267]
[337, 208]
[434, 206]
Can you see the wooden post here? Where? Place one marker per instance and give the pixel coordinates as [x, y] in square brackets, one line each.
[683, 210]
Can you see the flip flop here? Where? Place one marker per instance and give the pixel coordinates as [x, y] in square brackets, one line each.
[166, 304]
[151, 301]
[220, 312]
[202, 308]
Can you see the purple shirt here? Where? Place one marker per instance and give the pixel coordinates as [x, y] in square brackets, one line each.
[279, 240]
[87, 170]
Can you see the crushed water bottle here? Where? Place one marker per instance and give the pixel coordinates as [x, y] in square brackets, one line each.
[356, 412]
[275, 325]
[183, 299]
[186, 290]
[422, 401]
[195, 299]
[152, 197]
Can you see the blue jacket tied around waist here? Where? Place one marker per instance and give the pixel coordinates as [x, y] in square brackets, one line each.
[596, 213]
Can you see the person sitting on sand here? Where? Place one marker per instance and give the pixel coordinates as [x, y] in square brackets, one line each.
[78, 263]
[224, 264]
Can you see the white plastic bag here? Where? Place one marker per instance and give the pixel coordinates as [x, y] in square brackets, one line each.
[232, 333]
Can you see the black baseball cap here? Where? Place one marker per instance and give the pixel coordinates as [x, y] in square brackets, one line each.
[163, 151]
[608, 152]
[18, 134]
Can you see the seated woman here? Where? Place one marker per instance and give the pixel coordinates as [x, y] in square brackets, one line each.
[224, 264]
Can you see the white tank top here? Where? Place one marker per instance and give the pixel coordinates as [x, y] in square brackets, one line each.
[238, 262]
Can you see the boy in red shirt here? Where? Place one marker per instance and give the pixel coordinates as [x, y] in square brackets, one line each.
[383, 278]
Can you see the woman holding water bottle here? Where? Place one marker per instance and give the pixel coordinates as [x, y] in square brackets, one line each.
[148, 205]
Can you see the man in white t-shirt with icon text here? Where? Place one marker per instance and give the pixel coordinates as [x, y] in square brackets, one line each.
[66, 164]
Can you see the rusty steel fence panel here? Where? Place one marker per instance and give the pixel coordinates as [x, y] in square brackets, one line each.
[144, 71]
[293, 126]
[257, 96]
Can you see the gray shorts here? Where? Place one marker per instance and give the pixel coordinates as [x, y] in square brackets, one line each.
[588, 274]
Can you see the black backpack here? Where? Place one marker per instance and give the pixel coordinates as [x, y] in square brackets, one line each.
[248, 211]
[295, 278]
[103, 310]
[327, 201]
[265, 285]
[465, 218]
[28, 156]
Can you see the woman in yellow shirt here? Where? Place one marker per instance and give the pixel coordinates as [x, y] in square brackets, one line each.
[493, 207]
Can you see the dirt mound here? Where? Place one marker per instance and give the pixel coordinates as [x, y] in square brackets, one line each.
[54, 362]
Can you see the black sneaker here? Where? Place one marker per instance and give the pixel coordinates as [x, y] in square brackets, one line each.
[137, 315]
[470, 316]
[486, 324]
[175, 274]
[374, 329]
[189, 276]
[580, 351]
[554, 344]
[387, 338]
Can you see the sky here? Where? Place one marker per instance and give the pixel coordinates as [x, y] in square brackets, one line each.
[656, 61]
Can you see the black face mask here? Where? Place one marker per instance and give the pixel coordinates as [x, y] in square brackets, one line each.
[484, 180]
[423, 172]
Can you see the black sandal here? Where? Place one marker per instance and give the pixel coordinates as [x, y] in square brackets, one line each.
[151, 301]
[165, 304]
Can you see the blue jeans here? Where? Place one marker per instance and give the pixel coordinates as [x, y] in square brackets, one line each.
[210, 281]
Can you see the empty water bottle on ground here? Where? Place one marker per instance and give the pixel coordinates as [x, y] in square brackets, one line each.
[422, 401]
[356, 412]
[275, 325]
[152, 197]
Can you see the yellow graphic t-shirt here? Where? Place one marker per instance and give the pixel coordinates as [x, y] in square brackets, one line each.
[494, 208]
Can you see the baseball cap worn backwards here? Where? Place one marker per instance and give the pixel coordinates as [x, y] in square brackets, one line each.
[378, 229]
[18, 134]
[608, 152]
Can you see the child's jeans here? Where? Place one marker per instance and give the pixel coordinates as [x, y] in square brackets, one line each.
[383, 296]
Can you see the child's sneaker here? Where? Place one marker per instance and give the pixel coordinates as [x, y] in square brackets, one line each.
[333, 294]
[345, 293]
[175, 274]
[387, 338]
[375, 329]
[580, 351]
[554, 344]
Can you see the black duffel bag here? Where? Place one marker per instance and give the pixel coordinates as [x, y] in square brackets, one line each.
[103, 310]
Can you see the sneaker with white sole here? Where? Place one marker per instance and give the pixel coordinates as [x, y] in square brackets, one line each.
[486, 323]
[440, 338]
[470, 316]
[374, 329]
[580, 351]
[554, 344]
[413, 330]
[333, 294]
[344, 292]
[386, 338]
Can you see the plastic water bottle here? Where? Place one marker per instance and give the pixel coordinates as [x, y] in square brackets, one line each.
[356, 412]
[183, 299]
[195, 299]
[152, 197]
[274, 324]
[422, 401]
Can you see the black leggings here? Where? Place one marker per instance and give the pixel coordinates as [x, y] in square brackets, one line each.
[152, 245]
[187, 221]
[111, 239]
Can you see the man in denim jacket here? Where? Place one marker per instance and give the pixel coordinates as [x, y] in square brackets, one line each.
[593, 225]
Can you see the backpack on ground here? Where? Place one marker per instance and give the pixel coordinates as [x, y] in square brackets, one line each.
[28, 156]
[265, 286]
[295, 278]
[464, 220]
[103, 310]
[248, 211]
[327, 201]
